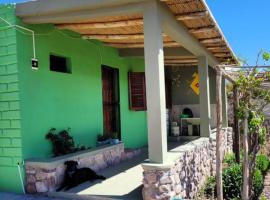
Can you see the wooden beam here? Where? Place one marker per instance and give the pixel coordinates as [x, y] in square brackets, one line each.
[117, 36]
[219, 134]
[222, 55]
[181, 64]
[138, 45]
[132, 22]
[169, 52]
[114, 37]
[236, 143]
[179, 33]
[202, 29]
[181, 61]
[211, 40]
[212, 48]
[192, 15]
[180, 58]
[102, 25]
[225, 74]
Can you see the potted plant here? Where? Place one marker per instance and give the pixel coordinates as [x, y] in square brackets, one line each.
[114, 139]
[102, 140]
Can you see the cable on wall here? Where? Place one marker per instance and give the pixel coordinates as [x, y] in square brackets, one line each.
[25, 29]
[22, 30]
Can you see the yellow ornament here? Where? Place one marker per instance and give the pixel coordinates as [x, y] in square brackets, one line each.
[195, 83]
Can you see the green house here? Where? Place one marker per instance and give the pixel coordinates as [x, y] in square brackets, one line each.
[55, 72]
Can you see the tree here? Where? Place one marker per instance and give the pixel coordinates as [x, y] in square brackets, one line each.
[252, 100]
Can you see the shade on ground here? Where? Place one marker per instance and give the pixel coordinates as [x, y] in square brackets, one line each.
[123, 181]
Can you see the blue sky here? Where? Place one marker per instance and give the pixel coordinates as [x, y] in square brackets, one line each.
[245, 23]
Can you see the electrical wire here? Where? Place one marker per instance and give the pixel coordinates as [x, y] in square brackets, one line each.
[32, 33]
[25, 29]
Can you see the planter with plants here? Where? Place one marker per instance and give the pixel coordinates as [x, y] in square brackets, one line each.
[114, 139]
[63, 143]
[102, 140]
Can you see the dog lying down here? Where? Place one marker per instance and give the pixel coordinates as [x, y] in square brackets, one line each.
[75, 176]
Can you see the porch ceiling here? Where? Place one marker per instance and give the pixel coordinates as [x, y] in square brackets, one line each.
[125, 30]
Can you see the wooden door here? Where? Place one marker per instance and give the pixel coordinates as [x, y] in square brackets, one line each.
[110, 94]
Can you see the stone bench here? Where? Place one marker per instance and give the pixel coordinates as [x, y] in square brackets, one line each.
[46, 175]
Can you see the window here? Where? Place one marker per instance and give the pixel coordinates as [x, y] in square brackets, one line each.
[137, 91]
[59, 64]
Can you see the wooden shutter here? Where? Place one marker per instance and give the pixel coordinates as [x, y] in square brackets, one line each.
[137, 91]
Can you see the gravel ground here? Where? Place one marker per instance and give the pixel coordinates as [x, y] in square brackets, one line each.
[12, 196]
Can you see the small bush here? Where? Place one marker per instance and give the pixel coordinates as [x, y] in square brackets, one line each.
[263, 197]
[210, 187]
[62, 142]
[230, 159]
[232, 181]
[257, 186]
[262, 163]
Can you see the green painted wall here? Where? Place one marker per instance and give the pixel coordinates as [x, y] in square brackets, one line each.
[33, 101]
[10, 119]
[184, 94]
[52, 99]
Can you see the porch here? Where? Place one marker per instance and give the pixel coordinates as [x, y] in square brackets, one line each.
[124, 181]
[167, 35]
[161, 32]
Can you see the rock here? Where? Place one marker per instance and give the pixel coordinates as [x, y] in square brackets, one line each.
[187, 174]
[41, 176]
[30, 179]
[165, 180]
[164, 189]
[31, 188]
[42, 187]
[151, 178]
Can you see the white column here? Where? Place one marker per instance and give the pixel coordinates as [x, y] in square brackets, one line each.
[205, 113]
[224, 104]
[155, 84]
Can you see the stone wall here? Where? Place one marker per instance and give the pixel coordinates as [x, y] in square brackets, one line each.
[187, 174]
[46, 176]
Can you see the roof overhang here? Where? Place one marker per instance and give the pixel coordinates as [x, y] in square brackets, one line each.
[119, 23]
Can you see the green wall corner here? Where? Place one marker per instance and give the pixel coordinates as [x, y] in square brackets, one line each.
[10, 115]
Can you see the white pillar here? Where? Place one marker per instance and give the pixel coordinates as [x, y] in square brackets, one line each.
[155, 84]
[205, 113]
[224, 104]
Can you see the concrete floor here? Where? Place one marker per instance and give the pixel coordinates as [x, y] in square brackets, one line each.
[124, 181]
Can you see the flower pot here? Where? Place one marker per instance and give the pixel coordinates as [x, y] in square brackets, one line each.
[114, 141]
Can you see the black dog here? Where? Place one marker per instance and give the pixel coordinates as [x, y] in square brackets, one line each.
[75, 176]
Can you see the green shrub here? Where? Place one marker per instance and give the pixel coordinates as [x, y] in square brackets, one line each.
[210, 187]
[257, 186]
[232, 181]
[263, 197]
[262, 163]
[230, 159]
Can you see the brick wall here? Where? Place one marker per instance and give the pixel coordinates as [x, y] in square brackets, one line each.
[10, 124]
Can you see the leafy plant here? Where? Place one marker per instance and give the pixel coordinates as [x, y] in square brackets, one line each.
[62, 142]
[263, 197]
[102, 138]
[253, 98]
[262, 163]
[230, 159]
[232, 181]
[210, 187]
[257, 184]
